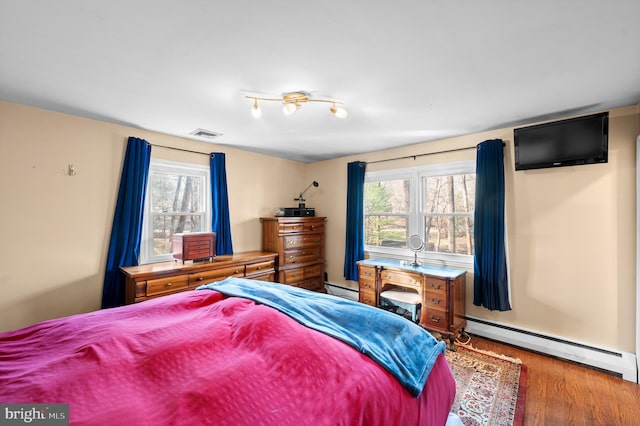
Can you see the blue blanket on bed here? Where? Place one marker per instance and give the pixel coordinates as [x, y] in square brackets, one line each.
[401, 347]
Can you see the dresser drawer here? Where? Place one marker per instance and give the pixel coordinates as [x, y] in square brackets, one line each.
[301, 241]
[436, 319]
[292, 276]
[400, 278]
[313, 284]
[198, 246]
[269, 276]
[433, 284]
[367, 286]
[367, 272]
[436, 300]
[302, 255]
[167, 285]
[314, 270]
[300, 227]
[367, 298]
[206, 277]
[258, 268]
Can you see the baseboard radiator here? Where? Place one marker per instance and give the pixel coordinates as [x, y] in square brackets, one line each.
[338, 290]
[621, 364]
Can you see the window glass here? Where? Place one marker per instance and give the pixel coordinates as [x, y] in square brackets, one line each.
[449, 194]
[448, 204]
[176, 202]
[447, 234]
[386, 231]
[386, 212]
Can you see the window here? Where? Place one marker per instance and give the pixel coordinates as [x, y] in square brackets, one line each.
[436, 202]
[177, 201]
[387, 212]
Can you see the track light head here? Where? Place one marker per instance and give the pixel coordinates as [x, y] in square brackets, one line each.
[289, 108]
[339, 111]
[255, 110]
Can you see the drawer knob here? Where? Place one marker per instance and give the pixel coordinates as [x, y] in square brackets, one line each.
[435, 319]
[200, 278]
[291, 243]
[291, 256]
[258, 268]
[435, 301]
[436, 286]
[169, 285]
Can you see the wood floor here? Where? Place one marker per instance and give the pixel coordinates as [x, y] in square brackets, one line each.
[563, 393]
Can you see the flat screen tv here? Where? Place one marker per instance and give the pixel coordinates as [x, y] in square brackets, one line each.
[572, 142]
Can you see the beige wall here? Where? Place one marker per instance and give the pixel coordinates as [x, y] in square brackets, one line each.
[55, 228]
[571, 234]
[571, 230]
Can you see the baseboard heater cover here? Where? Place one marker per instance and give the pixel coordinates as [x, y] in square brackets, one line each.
[341, 291]
[622, 364]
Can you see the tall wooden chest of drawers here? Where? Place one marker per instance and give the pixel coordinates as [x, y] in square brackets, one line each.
[441, 291]
[299, 242]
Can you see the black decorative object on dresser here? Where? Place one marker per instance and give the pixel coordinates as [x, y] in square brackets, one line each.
[299, 242]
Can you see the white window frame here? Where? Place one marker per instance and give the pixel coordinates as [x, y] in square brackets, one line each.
[166, 166]
[416, 215]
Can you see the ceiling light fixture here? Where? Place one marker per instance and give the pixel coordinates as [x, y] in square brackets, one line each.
[292, 101]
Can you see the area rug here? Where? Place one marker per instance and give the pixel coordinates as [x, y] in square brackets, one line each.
[490, 388]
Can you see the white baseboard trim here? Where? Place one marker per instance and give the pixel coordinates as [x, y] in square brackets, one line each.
[615, 361]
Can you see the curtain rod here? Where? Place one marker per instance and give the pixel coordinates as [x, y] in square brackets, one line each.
[425, 154]
[422, 155]
[183, 150]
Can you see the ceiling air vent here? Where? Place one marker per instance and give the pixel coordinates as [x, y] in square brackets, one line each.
[202, 133]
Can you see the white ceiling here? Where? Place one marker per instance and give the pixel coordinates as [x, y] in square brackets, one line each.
[408, 71]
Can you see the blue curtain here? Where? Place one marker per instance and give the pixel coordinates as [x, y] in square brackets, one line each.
[490, 284]
[220, 223]
[124, 246]
[354, 244]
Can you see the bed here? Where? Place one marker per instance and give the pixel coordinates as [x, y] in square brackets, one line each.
[236, 352]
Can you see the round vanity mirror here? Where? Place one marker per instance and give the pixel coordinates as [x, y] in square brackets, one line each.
[415, 244]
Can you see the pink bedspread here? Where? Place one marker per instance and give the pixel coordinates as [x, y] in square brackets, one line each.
[197, 358]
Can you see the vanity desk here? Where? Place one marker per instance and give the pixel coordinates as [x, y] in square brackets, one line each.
[441, 291]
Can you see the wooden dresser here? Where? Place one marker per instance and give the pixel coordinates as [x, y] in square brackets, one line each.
[299, 242]
[441, 290]
[159, 279]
